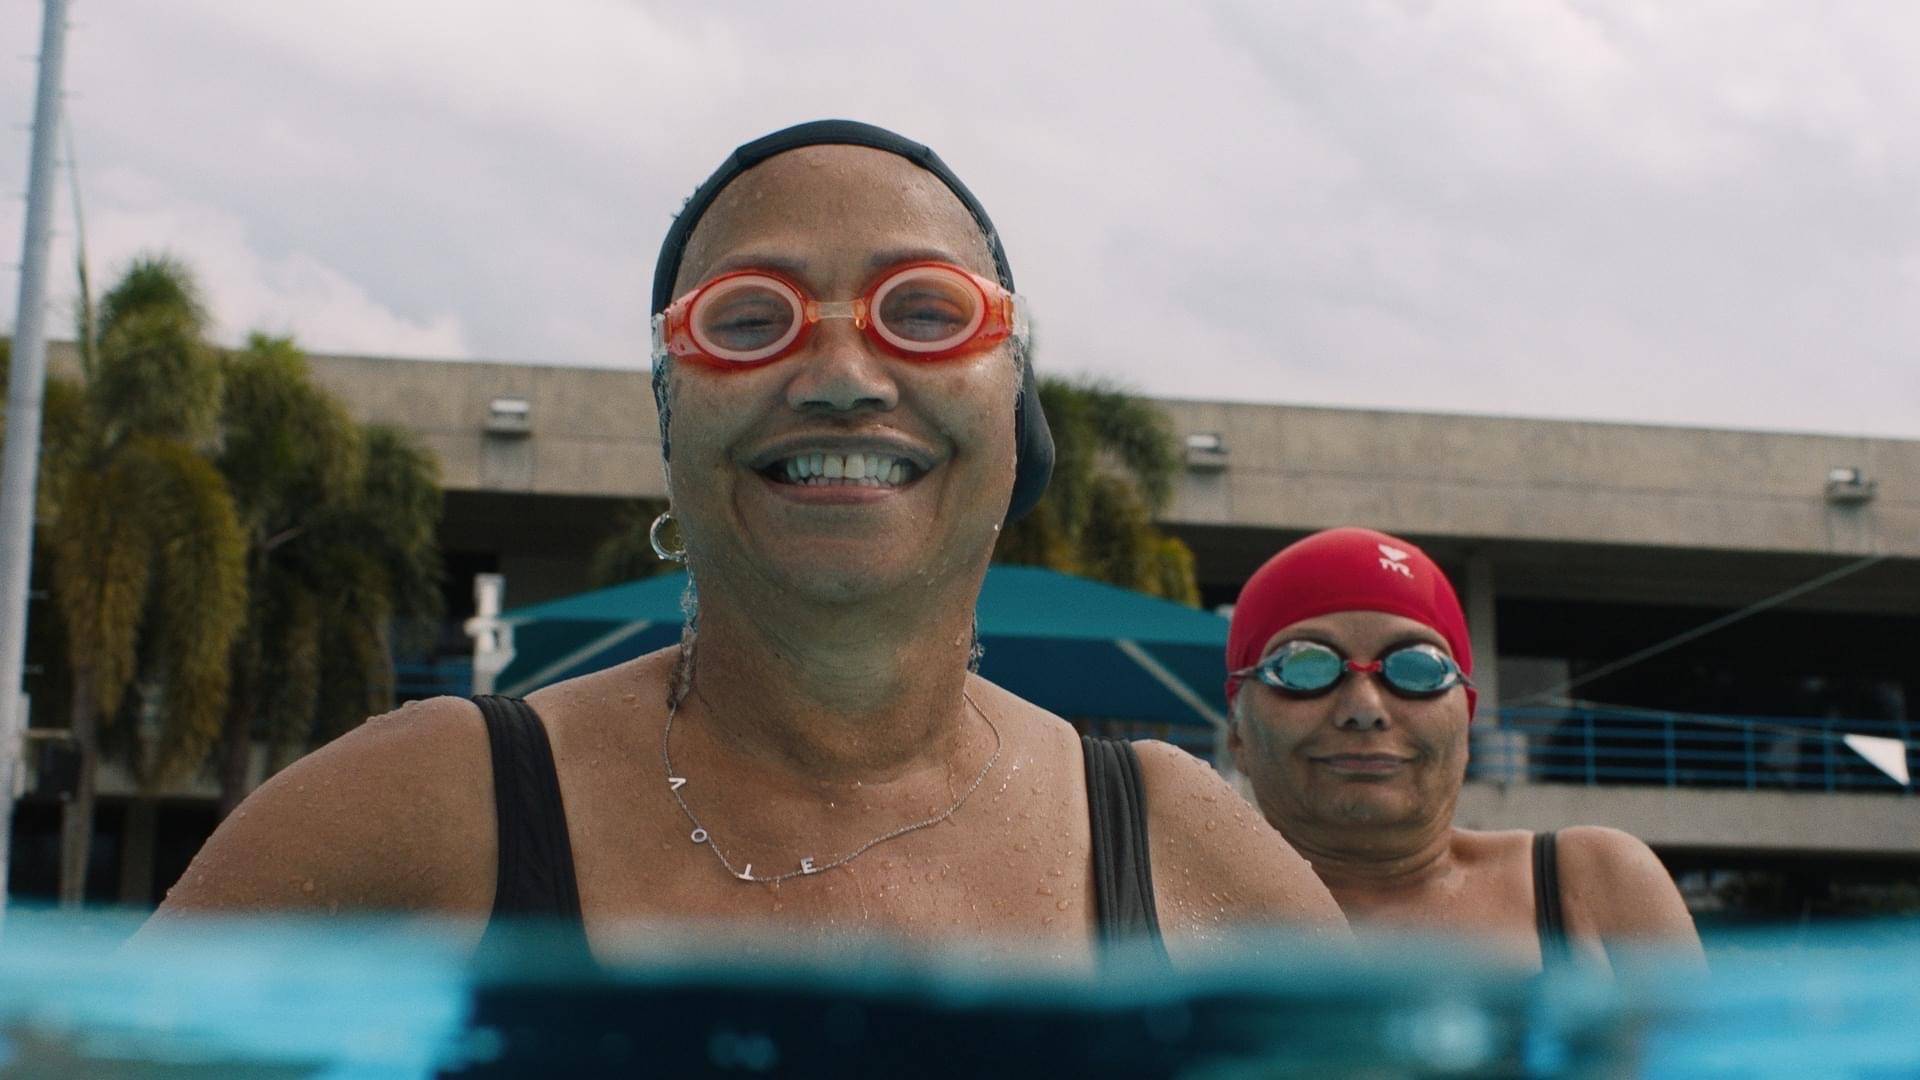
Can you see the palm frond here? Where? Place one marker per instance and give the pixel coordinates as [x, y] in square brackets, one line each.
[200, 598]
[153, 282]
[291, 662]
[155, 377]
[102, 564]
[288, 448]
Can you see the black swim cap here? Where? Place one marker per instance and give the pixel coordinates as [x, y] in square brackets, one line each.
[1033, 442]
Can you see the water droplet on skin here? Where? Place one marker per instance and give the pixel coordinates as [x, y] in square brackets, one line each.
[1061, 904]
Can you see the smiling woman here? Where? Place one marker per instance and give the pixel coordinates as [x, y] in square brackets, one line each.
[1351, 692]
[849, 419]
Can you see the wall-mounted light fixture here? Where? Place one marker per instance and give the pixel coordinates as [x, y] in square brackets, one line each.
[510, 417]
[1206, 451]
[1849, 486]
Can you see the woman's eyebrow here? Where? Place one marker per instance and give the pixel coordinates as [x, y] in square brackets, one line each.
[790, 265]
[796, 266]
[1318, 637]
[1405, 640]
[886, 257]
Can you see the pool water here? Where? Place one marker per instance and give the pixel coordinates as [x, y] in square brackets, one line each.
[344, 998]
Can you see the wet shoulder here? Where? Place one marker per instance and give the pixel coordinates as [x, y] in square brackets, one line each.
[394, 815]
[1217, 864]
[615, 698]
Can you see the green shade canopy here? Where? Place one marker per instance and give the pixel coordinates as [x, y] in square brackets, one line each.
[1079, 648]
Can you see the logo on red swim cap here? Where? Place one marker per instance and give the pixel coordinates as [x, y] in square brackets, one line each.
[1348, 569]
[1396, 560]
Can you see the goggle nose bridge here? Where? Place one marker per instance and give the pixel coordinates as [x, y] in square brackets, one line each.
[855, 309]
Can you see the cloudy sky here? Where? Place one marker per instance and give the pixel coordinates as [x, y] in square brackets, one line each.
[1702, 213]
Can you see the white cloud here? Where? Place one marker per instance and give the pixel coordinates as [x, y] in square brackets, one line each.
[293, 293]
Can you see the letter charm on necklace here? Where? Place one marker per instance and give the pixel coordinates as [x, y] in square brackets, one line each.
[808, 866]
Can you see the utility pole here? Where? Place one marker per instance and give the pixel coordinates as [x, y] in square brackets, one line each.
[26, 386]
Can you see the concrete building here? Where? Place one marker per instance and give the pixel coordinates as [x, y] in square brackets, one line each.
[1575, 545]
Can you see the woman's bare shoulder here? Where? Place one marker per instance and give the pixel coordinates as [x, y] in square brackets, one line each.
[394, 815]
[1217, 863]
[1615, 887]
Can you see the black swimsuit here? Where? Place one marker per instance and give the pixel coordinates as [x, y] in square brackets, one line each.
[1547, 917]
[536, 876]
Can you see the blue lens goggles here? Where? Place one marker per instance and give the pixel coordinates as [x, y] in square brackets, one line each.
[1311, 668]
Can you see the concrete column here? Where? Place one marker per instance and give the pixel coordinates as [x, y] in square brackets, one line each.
[1498, 754]
[1483, 627]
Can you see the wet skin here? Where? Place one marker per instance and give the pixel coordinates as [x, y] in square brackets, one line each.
[829, 676]
[1364, 784]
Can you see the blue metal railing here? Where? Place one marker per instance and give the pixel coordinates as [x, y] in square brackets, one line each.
[1601, 746]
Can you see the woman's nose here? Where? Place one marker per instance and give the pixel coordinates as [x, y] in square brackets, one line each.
[1361, 705]
[839, 371]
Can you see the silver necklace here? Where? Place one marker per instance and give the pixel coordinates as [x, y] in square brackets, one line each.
[808, 866]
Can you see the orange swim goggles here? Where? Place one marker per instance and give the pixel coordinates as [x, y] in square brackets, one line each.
[917, 311]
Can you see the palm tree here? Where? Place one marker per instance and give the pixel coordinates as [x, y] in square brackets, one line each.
[340, 527]
[148, 559]
[1115, 460]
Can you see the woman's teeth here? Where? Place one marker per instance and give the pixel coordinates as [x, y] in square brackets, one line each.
[862, 470]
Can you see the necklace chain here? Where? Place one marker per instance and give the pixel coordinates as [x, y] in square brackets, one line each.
[807, 867]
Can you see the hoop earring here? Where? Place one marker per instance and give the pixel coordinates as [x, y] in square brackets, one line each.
[679, 554]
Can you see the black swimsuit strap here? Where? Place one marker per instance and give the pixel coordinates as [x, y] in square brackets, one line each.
[535, 875]
[1547, 916]
[1122, 871]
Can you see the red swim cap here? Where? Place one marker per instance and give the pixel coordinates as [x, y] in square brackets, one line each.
[1345, 570]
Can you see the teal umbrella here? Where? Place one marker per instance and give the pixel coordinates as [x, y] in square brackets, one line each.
[1081, 649]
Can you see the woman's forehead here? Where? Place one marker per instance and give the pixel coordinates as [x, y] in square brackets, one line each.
[1357, 631]
[832, 205]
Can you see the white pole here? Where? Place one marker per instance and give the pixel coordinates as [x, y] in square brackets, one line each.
[26, 385]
